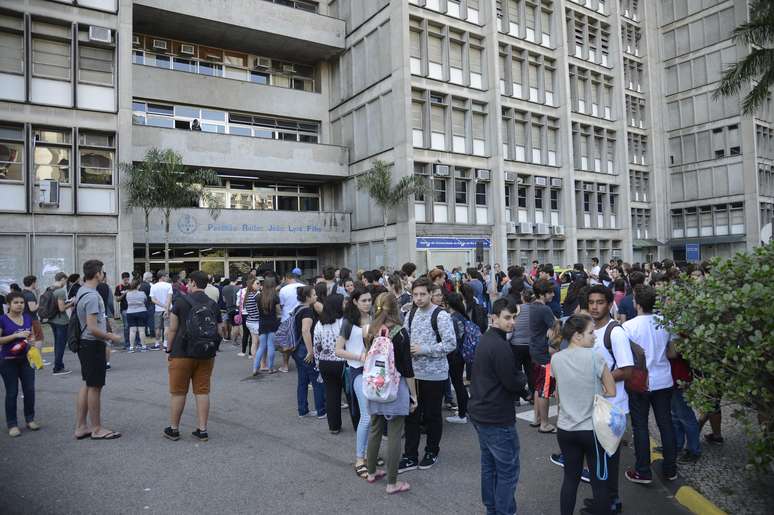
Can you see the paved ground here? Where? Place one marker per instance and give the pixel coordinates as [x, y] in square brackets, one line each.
[261, 457]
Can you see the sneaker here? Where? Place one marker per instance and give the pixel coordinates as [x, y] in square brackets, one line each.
[107, 366]
[688, 457]
[711, 438]
[46, 362]
[456, 419]
[344, 405]
[155, 347]
[241, 354]
[131, 350]
[557, 459]
[322, 417]
[406, 464]
[451, 406]
[14, 432]
[671, 477]
[62, 372]
[32, 425]
[585, 475]
[428, 461]
[306, 415]
[201, 435]
[172, 434]
[635, 477]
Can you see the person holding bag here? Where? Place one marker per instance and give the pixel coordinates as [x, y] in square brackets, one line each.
[394, 413]
[579, 371]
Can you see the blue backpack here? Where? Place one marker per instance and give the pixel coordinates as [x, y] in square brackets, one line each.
[470, 339]
[285, 338]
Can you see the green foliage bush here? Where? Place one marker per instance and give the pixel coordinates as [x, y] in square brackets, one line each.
[725, 325]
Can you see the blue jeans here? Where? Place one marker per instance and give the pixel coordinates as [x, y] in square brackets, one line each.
[265, 346]
[150, 326]
[361, 438]
[308, 374]
[685, 424]
[60, 343]
[639, 409]
[13, 372]
[499, 467]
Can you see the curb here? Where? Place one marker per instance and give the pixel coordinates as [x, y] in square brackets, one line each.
[690, 498]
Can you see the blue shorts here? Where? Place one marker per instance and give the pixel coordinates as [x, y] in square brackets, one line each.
[137, 319]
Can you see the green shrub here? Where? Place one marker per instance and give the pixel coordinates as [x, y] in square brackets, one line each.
[725, 325]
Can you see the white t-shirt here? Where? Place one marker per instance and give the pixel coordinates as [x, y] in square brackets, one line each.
[619, 342]
[161, 292]
[644, 331]
[288, 299]
[355, 345]
[595, 271]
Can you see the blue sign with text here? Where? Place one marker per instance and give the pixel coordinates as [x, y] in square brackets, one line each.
[453, 243]
[692, 252]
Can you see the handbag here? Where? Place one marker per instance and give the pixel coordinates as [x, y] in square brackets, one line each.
[609, 423]
[238, 316]
[35, 359]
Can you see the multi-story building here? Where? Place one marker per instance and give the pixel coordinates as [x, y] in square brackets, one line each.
[556, 130]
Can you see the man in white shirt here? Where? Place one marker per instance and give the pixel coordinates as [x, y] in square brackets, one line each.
[161, 296]
[288, 294]
[620, 362]
[644, 330]
[595, 270]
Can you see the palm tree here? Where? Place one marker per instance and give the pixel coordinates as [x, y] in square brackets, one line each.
[179, 187]
[139, 186]
[378, 183]
[758, 67]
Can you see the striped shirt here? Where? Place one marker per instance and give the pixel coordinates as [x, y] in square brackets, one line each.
[251, 306]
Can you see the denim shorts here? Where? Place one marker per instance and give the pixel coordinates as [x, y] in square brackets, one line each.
[137, 319]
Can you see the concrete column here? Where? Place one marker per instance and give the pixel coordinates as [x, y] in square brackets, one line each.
[125, 243]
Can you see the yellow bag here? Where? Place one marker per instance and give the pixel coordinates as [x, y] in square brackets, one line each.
[35, 359]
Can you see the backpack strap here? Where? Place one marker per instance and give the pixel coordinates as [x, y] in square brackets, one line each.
[411, 316]
[608, 340]
[75, 308]
[434, 324]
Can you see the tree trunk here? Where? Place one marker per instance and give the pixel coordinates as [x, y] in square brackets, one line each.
[167, 214]
[147, 240]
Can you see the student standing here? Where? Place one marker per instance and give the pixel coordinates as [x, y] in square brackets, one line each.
[331, 367]
[59, 323]
[542, 323]
[580, 373]
[494, 389]
[456, 362]
[304, 319]
[161, 295]
[135, 314]
[268, 323]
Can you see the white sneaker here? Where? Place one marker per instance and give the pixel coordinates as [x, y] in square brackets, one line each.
[241, 354]
[455, 419]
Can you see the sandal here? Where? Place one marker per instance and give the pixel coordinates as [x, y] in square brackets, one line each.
[400, 487]
[550, 430]
[534, 424]
[361, 471]
[110, 435]
[377, 476]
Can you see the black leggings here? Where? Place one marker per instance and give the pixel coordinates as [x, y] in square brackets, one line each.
[576, 445]
[524, 362]
[456, 369]
[333, 376]
[246, 339]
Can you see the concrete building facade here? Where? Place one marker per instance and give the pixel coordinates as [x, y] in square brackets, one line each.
[550, 130]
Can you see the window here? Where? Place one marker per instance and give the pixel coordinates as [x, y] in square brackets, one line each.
[97, 153]
[95, 65]
[11, 52]
[458, 131]
[435, 57]
[481, 194]
[554, 200]
[417, 117]
[476, 78]
[479, 134]
[439, 191]
[51, 59]
[52, 154]
[438, 126]
[461, 191]
[586, 202]
[539, 194]
[11, 153]
[522, 196]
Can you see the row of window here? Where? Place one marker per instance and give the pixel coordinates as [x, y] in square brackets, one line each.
[534, 204]
[637, 148]
[764, 137]
[366, 61]
[700, 109]
[53, 155]
[599, 205]
[173, 116]
[705, 145]
[263, 196]
[639, 185]
[530, 137]
[591, 93]
[672, 10]
[216, 62]
[701, 33]
[698, 71]
[102, 5]
[451, 195]
[636, 113]
[765, 180]
[469, 10]
[633, 75]
[588, 38]
[438, 116]
[594, 5]
[528, 76]
[641, 223]
[593, 148]
[715, 220]
[631, 37]
[630, 9]
[717, 181]
[445, 54]
[525, 20]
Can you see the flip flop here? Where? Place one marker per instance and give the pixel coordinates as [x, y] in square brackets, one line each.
[550, 431]
[377, 476]
[83, 436]
[362, 471]
[534, 424]
[404, 487]
[111, 435]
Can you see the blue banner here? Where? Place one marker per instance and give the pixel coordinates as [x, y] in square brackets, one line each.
[451, 243]
[692, 252]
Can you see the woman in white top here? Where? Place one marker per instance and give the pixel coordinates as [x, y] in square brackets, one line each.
[351, 346]
[331, 367]
[242, 306]
[136, 313]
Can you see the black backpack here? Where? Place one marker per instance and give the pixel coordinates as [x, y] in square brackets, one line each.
[48, 307]
[433, 322]
[202, 337]
[74, 329]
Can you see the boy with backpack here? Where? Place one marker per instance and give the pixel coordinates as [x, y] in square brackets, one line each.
[53, 309]
[195, 328]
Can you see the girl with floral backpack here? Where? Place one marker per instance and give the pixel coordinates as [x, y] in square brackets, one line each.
[387, 323]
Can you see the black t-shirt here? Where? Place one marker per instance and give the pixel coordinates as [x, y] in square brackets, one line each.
[541, 319]
[402, 350]
[145, 288]
[181, 307]
[73, 290]
[121, 290]
[104, 292]
[29, 296]
[304, 312]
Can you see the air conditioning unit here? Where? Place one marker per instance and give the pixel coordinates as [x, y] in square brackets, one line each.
[48, 193]
[588, 187]
[262, 62]
[520, 180]
[101, 34]
[541, 181]
[437, 99]
[288, 68]
[511, 228]
[159, 44]
[524, 228]
[556, 182]
[602, 188]
[542, 229]
[135, 40]
[483, 175]
[187, 49]
[557, 230]
[511, 176]
[441, 170]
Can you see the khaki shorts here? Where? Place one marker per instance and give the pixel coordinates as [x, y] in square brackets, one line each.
[185, 371]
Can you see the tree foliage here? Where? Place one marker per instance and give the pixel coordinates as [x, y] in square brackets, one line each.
[725, 329]
[757, 68]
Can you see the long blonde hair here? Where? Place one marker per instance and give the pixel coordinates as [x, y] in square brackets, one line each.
[385, 314]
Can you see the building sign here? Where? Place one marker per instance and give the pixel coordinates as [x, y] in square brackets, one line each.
[692, 252]
[451, 243]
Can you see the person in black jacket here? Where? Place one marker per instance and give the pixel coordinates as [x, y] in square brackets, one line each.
[493, 392]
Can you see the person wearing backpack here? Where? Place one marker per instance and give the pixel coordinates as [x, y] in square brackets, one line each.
[432, 338]
[391, 414]
[464, 331]
[646, 330]
[194, 335]
[620, 362]
[580, 373]
[53, 309]
[304, 318]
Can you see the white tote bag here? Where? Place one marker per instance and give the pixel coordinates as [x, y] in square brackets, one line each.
[609, 421]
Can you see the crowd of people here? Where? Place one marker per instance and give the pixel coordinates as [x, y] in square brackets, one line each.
[478, 342]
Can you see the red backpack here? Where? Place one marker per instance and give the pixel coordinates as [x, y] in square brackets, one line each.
[638, 381]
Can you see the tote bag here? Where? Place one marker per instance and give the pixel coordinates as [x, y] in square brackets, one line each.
[608, 420]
